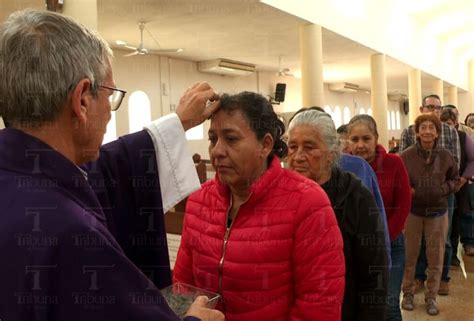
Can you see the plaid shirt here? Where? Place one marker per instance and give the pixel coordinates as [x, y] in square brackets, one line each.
[448, 139]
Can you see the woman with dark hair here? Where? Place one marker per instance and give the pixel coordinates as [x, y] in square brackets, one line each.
[394, 185]
[313, 151]
[469, 121]
[263, 237]
[433, 176]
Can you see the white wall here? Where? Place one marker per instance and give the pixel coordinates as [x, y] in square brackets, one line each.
[137, 73]
[464, 105]
[164, 80]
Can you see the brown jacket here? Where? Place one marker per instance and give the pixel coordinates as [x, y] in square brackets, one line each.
[433, 175]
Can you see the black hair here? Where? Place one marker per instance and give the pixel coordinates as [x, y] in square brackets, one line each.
[449, 106]
[342, 129]
[261, 117]
[467, 117]
[448, 114]
[430, 96]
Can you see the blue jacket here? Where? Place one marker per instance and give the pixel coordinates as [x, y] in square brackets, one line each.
[360, 168]
[72, 252]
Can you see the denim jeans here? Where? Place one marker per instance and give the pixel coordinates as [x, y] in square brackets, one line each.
[395, 279]
[467, 222]
[422, 264]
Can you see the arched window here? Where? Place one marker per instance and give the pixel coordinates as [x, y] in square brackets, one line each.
[139, 112]
[389, 123]
[328, 110]
[397, 114]
[369, 111]
[346, 115]
[195, 133]
[111, 132]
[337, 116]
[393, 120]
[361, 111]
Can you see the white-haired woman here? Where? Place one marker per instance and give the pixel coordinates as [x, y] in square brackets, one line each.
[313, 150]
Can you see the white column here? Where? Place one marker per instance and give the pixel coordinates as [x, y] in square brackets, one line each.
[311, 54]
[378, 97]
[414, 94]
[452, 96]
[438, 89]
[84, 11]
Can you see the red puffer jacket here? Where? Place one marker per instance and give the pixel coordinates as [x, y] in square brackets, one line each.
[283, 259]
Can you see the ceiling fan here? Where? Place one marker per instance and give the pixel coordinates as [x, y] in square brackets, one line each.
[283, 71]
[141, 50]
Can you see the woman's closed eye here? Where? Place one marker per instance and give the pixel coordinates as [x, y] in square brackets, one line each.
[231, 138]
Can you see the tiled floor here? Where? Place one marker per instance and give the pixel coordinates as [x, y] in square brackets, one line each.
[458, 305]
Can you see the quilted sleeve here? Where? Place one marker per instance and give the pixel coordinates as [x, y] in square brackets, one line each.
[318, 266]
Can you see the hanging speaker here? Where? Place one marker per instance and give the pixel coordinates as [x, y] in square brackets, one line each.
[280, 92]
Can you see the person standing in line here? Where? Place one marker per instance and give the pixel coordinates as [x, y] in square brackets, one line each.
[362, 170]
[449, 140]
[463, 205]
[460, 127]
[469, 120]
[313, 151]
[433, 176]
[394, 184]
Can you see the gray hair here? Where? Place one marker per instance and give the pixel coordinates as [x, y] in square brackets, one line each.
[322, 122]
[366, 120]
[43, 56]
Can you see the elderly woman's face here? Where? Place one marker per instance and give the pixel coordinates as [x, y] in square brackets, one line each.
[427, 132]
[236, 154]
[308, 153]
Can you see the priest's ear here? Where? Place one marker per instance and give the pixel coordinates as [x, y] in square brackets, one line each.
[80, 99]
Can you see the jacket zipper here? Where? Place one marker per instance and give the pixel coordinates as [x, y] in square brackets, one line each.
[224, 246]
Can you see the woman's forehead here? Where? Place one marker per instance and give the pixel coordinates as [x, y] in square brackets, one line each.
[427, 123]
[306, 133]
[224, 120]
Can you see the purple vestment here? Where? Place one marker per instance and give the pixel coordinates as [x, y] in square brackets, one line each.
[72, 252]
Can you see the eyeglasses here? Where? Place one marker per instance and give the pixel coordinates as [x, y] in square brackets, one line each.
[432, 107]
[116, 97]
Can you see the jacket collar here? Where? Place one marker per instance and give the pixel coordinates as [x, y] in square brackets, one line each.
[260, 187]
[380, 155]
[340, 186]
[427, 155]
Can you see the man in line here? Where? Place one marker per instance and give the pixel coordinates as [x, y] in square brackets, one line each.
[460, 126]
[76, 240]
[449, 140]
[450, 116]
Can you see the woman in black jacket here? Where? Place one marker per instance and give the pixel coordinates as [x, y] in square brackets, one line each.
[313, 150]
